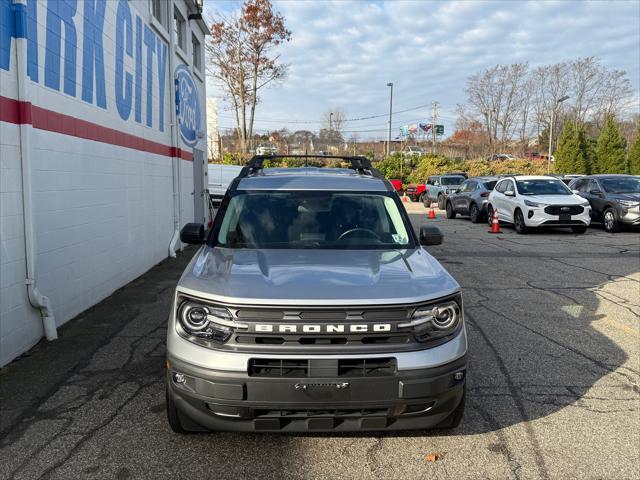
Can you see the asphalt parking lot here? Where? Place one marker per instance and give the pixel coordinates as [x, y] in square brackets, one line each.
[553, 322]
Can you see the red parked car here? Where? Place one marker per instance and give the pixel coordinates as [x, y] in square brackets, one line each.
[415, 192]
[397, 184]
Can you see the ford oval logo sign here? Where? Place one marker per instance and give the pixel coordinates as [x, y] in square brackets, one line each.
[188, 110]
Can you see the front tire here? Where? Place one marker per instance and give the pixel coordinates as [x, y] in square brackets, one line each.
[610, 221]
[518, 222]
[474, 214]
[450, 211]
[578, 229]
[441, 205]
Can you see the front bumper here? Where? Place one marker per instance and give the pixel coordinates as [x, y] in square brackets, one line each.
[536, 217]
[629, 215]
[409, 399]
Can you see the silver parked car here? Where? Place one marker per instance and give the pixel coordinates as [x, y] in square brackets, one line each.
[313, 305]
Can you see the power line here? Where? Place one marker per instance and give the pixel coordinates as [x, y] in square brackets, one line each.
[358, 119]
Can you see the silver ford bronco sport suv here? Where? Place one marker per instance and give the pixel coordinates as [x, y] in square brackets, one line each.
[313, 306]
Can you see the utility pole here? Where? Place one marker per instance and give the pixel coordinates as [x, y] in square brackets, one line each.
[390, 84]
[553, 114]
[434, 120]
[330, 130]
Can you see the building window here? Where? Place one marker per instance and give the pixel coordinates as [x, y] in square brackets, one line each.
[179, 27]
[159, 11]
[196, 51]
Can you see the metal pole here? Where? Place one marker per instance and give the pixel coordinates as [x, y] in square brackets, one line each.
[553, 114]
[433, 129]
[330, 130]
[390, 84]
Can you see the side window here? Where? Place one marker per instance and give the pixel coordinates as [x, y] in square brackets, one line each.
[510, 186]
[592, 185]
[578, 185]
[471, 186]
[500, 187]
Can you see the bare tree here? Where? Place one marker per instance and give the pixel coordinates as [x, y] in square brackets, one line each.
[553, 83]
[334, 119]
[495, 94]
[240, 55]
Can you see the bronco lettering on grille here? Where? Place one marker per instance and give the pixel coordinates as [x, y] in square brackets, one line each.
[321, 328]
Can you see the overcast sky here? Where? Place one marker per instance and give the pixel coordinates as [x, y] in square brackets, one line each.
[343, 53]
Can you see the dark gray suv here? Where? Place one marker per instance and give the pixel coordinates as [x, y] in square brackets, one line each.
[614, 199]
[471, 199]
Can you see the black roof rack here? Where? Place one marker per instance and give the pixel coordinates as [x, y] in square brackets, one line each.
[358, 163]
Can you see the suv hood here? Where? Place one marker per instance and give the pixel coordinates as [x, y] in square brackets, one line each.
[316, 277]
[555, 199]
[633, 197]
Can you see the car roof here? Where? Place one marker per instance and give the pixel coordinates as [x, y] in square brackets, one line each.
[531, 177]
[489, 178]
[311, 178]
[609, 175]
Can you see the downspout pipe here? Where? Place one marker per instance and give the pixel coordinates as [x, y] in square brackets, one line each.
[36, 298]
[174, 244]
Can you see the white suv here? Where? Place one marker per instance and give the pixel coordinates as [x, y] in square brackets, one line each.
[528, 201]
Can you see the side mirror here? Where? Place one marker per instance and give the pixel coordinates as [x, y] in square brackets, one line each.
[510, 193]
[192, 233]
[430, 235]
[595, 192]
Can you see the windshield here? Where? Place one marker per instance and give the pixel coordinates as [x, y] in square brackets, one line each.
[542, 187]
[621, 185]
[451, 180]
[313, 219]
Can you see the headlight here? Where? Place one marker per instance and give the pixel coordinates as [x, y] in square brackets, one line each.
[585, 204]
[203, 320]
[529, 203]
[628, 203]
[435, 321]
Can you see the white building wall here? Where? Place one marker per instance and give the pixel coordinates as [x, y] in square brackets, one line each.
[103, 213]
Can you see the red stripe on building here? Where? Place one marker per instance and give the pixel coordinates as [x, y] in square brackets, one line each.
[15, 111]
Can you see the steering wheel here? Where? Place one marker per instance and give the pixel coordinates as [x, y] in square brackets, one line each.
[351, 231]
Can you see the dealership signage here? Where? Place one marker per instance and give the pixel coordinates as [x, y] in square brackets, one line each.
[76, 56]
[188, 111]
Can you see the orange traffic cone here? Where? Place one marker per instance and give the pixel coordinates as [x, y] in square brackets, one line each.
[405, 199]
[495, 224]
[432, 212]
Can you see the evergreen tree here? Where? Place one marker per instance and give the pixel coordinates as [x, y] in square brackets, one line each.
[634, 156]
[610, 151]
[571, 154]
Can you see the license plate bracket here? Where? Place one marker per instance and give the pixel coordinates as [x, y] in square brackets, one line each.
[565, 218]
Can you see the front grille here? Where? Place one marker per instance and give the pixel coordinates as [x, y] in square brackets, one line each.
[320, 314]
[326, 412]
[342, 341]
[366, 367]
[563, 210]
[266, 367]
[360, 367]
